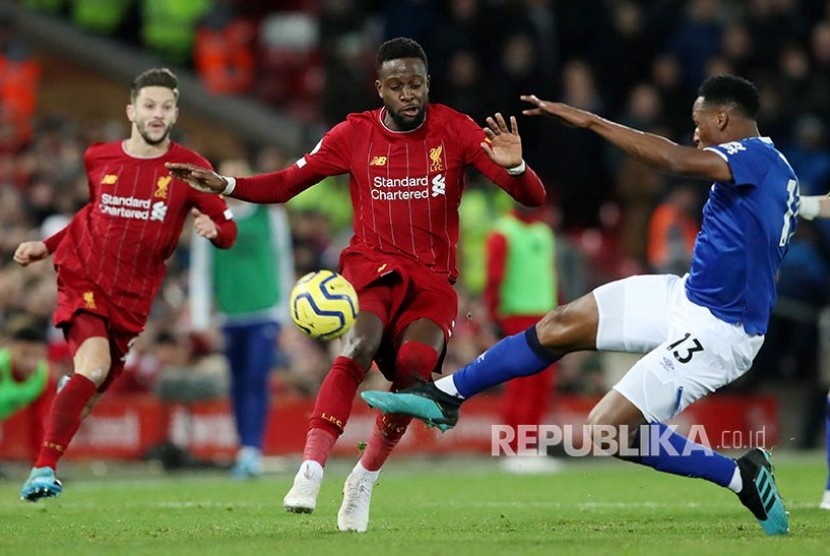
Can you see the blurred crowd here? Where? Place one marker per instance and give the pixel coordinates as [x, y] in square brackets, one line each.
[637, 62]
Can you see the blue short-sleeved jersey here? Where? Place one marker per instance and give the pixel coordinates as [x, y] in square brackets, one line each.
[745, 232]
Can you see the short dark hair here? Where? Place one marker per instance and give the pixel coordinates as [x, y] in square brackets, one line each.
[401, 47]
[731, 89]
[155, 77]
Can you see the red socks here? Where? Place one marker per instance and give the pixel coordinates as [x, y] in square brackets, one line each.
[414, 362]
[332, 408]
[388, 431]
[318, 443]
[64, 419]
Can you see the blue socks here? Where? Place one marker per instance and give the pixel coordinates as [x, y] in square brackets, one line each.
[518, 355]
[667, 451]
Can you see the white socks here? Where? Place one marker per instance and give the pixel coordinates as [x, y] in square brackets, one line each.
[311, 469]
[362, 471]
[737, 483]
[447, 385]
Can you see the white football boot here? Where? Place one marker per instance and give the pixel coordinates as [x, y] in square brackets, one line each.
[357, 496]
[302, 498]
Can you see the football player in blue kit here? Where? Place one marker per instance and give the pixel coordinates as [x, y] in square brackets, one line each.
[698, 332]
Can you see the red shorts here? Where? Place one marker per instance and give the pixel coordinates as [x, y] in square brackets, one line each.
[77, 293]
[400, 292]
[84, 325]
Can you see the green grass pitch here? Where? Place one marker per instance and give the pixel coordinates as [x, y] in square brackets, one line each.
[445, 507]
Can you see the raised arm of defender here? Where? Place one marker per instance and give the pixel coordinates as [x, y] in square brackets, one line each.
[652, 149]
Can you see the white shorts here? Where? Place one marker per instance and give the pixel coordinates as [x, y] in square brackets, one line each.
[689, 351]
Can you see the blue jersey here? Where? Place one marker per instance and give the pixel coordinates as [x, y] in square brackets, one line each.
[745, 232]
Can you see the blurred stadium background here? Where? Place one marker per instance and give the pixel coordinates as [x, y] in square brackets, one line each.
[262, 80]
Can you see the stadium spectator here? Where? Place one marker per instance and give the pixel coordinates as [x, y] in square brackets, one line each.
[711, 322]
[100, 16]
[406, 178]
[672, 231]
[223, 52]
[521, 287]
[19, 81]
[251, 317]
[26, 382]
[111, 257]
[169, 27]
[578, 158]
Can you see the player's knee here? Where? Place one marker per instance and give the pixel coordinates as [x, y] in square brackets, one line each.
[609, 431]
[361, 350]
[567, 328]
[551, 327]
[415, 361]
[96, 373]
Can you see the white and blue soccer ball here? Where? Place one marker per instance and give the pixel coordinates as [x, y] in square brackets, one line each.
[323, 305]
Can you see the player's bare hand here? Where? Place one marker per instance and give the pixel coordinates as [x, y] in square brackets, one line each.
[204, 225]
[503, 144]
[29, 252]
[200, 179]
[566, 114]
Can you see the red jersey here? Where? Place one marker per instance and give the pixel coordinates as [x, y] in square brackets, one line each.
[405, 185]
[120, 241]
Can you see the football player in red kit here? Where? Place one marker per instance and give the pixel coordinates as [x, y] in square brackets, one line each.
[111, 257]
[406, 164]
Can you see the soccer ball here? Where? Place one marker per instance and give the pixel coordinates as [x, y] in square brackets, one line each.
[323, 305]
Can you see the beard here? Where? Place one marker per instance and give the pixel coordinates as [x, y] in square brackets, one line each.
[142, 130]
[406, 124]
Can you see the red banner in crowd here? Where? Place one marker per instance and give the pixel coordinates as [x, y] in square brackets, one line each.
[126, 427]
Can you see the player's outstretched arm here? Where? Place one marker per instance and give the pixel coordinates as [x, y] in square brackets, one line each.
[30, 251]
[197, 177]
[814, 206]
[503, 145]
[651, 149]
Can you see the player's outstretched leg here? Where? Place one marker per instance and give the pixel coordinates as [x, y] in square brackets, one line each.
[302, 498]
[41, 483]
[357, 498]
[760, 493]
[424, 401]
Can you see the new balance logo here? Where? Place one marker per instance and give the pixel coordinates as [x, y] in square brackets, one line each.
[378, 161]
[109, 179]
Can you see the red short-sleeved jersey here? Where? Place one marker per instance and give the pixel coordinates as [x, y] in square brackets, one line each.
[405, 186]
[118, 244]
